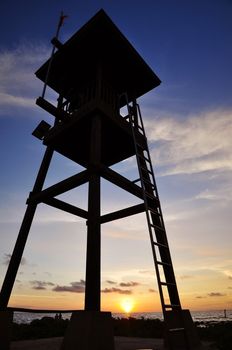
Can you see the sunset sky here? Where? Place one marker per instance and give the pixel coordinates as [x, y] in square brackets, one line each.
[188, 119]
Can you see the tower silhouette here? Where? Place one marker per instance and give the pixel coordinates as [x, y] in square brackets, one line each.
[96, 73]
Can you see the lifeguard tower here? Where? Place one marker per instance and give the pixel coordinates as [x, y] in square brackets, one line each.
[96, 73]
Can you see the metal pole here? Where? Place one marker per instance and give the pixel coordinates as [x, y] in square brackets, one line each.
[61, 19]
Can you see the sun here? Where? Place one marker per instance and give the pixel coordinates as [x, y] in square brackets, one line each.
[127, 305]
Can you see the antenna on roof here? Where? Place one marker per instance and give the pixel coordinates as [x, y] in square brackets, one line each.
[56, 44]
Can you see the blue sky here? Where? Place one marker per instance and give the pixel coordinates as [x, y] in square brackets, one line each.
[189, 125]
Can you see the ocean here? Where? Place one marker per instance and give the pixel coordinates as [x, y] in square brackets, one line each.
[199, 316]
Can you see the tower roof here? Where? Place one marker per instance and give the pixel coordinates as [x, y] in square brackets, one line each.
[99, 43]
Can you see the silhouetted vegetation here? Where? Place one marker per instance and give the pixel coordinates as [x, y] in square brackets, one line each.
[219, 333]
[47, 327]
[142, 328]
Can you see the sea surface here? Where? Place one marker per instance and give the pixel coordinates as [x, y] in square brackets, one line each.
[200, 316]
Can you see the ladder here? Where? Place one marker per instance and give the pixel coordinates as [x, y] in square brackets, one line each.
[160, 249]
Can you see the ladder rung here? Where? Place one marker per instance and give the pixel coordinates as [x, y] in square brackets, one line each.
[167, 284]
[143, 157]
[160, 244]
[147, 170]
[153, 211]
[163, 263]
[149, 183]
[140, 146]
[170, 306]
[158, 228]
[180, 329]
[137, 180]
[150, 195]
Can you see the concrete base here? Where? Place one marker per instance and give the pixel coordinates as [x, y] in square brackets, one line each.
[179, 339]
[6, 319]
[89, 330]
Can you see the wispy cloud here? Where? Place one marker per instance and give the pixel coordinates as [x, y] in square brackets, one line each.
[147, 272]
[111, 282]
[185, 277]
[152, 290]
[196, 144]
[74, 287]
[129, 284]
[117, 290]
[200, 297]
[41, 285]
[18, 85]
[221, 192]
[216, 294]
[7, 257]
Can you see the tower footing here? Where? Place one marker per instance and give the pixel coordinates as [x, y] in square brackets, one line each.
[181, 332]
[89, 330]
[6, 319]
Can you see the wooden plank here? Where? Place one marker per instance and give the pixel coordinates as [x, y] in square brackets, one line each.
[48, 107]
[119, 214]
[41, 311]
[60, 187]
[120, 181]
[56, 43]
[69, 208]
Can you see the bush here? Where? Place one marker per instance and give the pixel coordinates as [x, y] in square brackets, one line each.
[46, 327]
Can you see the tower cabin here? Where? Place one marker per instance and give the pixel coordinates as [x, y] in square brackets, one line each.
[96, 72]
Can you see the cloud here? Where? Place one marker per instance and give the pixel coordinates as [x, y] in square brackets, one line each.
[221, 192]
[75, 287]
[10, 100]
[41, 285]
[216, 294]
[147, 272]
[116, 290]
[129, 284]
[152, 290]
[196, 144]
[230, 277]
[200, 297]
[185, 277]
[18, 85]
[7, 257]
[111, 282]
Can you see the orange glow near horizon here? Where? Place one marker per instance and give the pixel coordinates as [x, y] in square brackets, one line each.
[115, 303]
[127, 305]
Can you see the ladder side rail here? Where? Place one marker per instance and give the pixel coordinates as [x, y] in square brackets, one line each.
[161, 237]
[165, 254]
[149, 224]
[146, 208]
[165, 257]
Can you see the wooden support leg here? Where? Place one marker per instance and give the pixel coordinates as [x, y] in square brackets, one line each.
[6, 318]
[17, 254]
[89, 330]
[93, 258]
